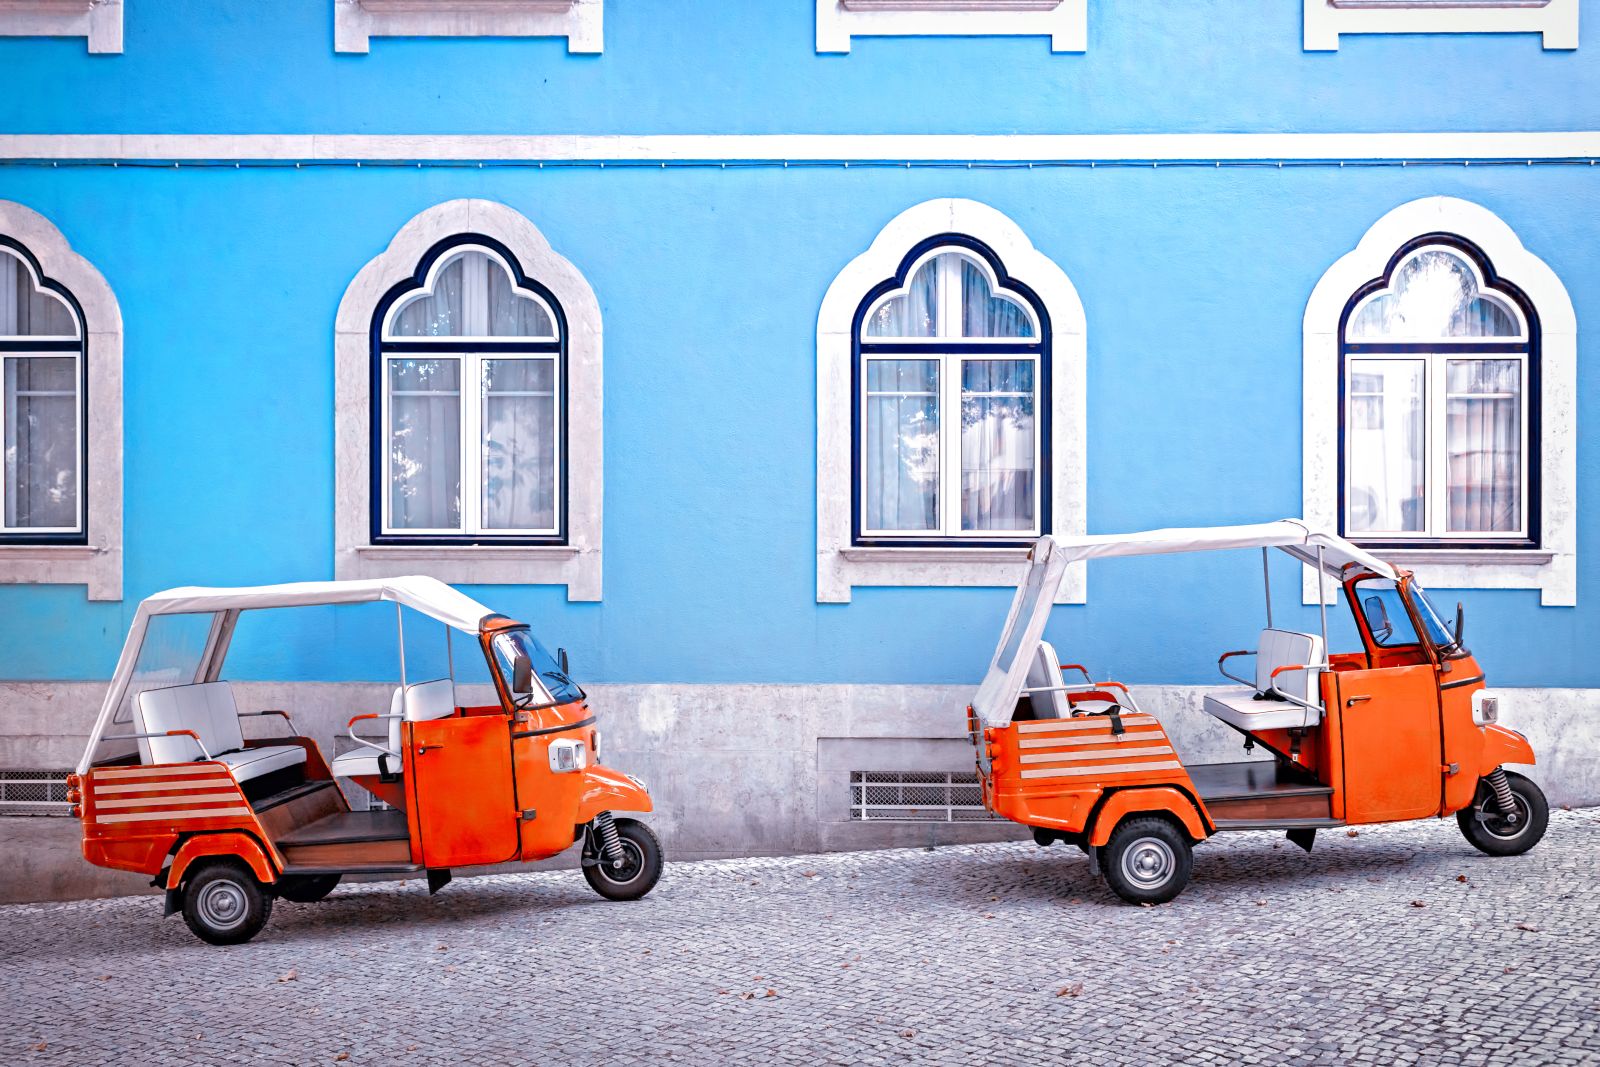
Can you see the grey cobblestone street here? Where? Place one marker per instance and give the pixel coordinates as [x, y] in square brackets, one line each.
[1402, 945]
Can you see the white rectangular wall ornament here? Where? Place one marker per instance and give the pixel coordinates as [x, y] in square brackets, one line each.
[1065, 22]
[98, 22]
[1326, 20]
[355, 22]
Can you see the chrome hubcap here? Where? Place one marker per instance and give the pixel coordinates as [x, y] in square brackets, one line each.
[1505, 824]
[223, 904]
[628, 868]
[1148, 863]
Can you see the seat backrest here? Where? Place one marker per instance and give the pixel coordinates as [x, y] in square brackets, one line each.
[430, 700]
[1284, 648]
[207, 708]
[397, 709]
[1045, 671]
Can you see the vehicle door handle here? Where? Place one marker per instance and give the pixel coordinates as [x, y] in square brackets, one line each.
[1353, 701]
[424, 748]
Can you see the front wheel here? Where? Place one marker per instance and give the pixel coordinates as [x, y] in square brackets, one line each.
[1493, 830]
[1148, 860]
[224, 904]
[637, 872]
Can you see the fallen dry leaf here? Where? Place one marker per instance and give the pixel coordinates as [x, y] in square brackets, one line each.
[289, 976]
[1073, 990]
[411, 1048]
[808, 874]
[41, 1046]
[1461, 878]
[1532, 929]
[908, 1034]
[772, 992]
[1419, 904]
[747, 996]
[1259, 903]
[342, 1056]
[450, 969]
[1352, 833]
[441, 948]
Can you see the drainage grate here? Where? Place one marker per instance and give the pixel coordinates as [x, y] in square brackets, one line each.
[33, 793]
[916, 796]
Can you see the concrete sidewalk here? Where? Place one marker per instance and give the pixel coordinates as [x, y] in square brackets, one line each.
[1399, 945]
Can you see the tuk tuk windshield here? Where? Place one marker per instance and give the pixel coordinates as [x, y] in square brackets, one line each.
[1441, 635]
[550, 683]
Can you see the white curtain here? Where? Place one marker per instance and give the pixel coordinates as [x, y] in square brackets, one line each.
[519, 446]
[425, 444]
[1483, 428]
[41, 442]
[512, 314]
[902, 445]
[440, 313]
[1387, 458]
[914, 313]
[998, 458]
[26, 311]
[985, 314]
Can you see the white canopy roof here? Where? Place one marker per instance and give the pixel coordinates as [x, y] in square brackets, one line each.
[430, 596]
[1002, 684]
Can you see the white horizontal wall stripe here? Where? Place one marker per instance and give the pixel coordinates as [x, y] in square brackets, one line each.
[734, 148]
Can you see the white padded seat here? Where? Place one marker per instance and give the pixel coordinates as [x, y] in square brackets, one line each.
[1045, 673]
[1277, 648]
[209, 710]
[414, 703]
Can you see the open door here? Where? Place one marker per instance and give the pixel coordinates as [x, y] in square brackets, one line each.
[461, 782]
[1390, 725]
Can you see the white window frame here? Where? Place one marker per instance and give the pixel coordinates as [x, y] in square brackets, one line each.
[1327, 20]
[1065, 22]
[1550, 568]
[471, 398]
[951, 394]
[96, 564]
[581, 22]
[7, 415]
[577, 564]
[843, 566]
[98, 22]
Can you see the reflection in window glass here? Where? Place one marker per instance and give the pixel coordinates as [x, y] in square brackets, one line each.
[1483, 432]
[519, 443]
[902, 444]
[40, 408]
[997, 444]
[425, 444]
[1384, 435]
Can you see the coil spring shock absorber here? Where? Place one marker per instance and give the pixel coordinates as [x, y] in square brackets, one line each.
[605, 829]
[1502, 791]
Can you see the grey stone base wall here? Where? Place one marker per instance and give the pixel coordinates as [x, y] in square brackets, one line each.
[735, 770]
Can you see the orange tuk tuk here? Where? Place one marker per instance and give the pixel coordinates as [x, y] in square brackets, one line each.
[170, 787]
[1400, 728]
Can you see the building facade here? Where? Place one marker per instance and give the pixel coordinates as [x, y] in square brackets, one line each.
[743, 354]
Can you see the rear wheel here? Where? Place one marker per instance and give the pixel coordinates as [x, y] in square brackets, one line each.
[1148, 860]
[639, 869]
[1498, 832]
[224, 904]
[306, 888]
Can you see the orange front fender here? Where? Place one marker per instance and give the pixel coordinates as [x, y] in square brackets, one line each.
[242, 846]
[607, 790]
[1502, 745]
[1162, 800]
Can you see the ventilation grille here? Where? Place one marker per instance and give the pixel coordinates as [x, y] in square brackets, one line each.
[916, 796]
[33, 793]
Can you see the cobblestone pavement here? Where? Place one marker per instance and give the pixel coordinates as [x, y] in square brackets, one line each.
[1402, 945]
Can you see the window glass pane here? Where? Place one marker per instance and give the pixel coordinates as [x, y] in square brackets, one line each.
[442, 312]
[1483, 441]
[29, 312]
[983, 313]
[1384, 613]
[513, 313]
[901, 450]
[1434, 295]
[40, 404]
[425, 444]
[1384, 441]
[914, 313]
[998, 458]
[519, 444]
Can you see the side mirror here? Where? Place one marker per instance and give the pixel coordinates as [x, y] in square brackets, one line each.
[521, 676]
[1377, 618]
[561, 654]
[1461, 622]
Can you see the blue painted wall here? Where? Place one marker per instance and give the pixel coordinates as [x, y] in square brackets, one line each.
[1194, 282]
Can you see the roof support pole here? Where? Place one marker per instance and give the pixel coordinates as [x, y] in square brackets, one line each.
[400, 629]
[1266, 581]
[449, 654]
[1322, 600]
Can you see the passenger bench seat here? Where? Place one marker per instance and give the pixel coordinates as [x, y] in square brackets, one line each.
[209, 710]
[1276, 648]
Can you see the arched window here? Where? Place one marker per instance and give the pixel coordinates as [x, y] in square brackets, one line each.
[1439, 413]
[469, 363]
[952, 402]
[42, 397]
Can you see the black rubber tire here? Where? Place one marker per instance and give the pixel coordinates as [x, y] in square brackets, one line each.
[1493, 837]
[641, 870]
[306, 888]
[1147, 860]
[224, 904]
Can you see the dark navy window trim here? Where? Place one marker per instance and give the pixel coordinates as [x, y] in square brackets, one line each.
[380, 348]
[1465, 347]
[1039, 346]
[81, 347]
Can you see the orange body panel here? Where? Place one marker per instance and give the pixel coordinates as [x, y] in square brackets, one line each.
[133, 817]
[1161, 799]
[1392, 768]
[1052, 773]
[1463, 738]
[607, 790]
[1500, 746]
[227, 843]
[459, 774]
